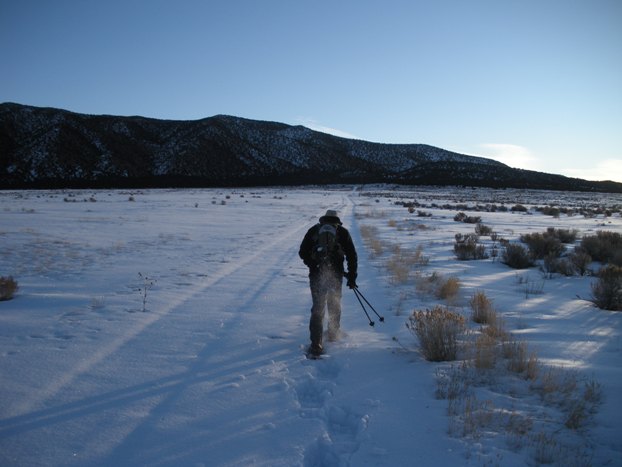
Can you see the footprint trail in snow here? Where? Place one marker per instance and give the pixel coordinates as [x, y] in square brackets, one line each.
[343, 428]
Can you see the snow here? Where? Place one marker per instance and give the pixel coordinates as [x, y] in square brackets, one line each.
[212, 371]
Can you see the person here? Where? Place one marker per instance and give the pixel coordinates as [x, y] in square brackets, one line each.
[326, 277]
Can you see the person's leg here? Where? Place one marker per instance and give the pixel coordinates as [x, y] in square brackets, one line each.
[318, 295]
[334, 308]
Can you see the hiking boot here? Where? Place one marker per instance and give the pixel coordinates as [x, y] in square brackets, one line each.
[316, 349]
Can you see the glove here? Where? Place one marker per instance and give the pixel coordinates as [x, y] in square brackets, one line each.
[351, 276]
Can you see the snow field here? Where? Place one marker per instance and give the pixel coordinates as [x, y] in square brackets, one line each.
[213, 372]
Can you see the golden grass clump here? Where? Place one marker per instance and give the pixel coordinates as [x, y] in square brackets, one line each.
[483, 311]
[448, 289]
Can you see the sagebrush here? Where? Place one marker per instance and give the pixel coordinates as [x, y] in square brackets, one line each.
[462, 217]
[542, 245]
[439, 331]
[605, 247]
[516, 256]
[607, 290]
[467, 247]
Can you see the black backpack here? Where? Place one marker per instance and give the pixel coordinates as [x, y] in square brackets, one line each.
[326, 248]
[325, 245]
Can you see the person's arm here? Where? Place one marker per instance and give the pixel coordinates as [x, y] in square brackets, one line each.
[305, 248]
[351, 259]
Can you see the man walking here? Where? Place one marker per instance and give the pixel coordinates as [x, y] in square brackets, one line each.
[323, 250]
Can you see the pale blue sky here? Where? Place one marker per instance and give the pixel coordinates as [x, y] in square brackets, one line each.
[534, 83]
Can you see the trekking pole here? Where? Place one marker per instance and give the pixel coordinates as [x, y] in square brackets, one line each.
[358, 292]
[371, 323]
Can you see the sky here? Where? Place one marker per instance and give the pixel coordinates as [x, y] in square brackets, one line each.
[536, 84]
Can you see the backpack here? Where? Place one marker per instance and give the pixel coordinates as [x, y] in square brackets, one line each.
[325, 245]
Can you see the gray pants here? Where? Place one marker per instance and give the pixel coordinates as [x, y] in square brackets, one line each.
[326, 294]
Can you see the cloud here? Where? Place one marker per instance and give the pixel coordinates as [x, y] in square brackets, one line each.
[522, 158]
[512, 155]
[314, 125]
[607, 169]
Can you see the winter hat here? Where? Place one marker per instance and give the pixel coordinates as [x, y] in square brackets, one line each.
[330, 217]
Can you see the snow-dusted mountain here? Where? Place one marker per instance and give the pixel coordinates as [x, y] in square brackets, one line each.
[44, 147]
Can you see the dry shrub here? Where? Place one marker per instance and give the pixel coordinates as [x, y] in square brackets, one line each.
[549, 211]
[516, 256]
[448, 289]
[564, 235]
[605, 247]
[576, 262]
[533, 367]
[443, 288]
[581, 408]
[546, 448]
[491, 343]
[398, 269]
[425, 283]
[483, 230]
[417, 258]
[519, 361]
[542, 245]
[472, 416]
[556, 384]
[518, 424]
[8, 288]
[607, 290]
[560, 387]
[467, 248]
[581, 260]
[593, 392]
[438, 331]
[497, 330]
[483, 311]
[403, 261]
[485, 352]
[462, 217]
[515, 352]
[555, 265]
[577, 415]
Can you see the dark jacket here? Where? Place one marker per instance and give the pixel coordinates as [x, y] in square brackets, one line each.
[336, 263]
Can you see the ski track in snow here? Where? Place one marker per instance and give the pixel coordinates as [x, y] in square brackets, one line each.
[178, 301]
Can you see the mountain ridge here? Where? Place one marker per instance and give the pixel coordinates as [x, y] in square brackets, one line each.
[43, 147]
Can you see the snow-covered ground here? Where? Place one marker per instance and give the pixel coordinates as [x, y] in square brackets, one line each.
[167, 327]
